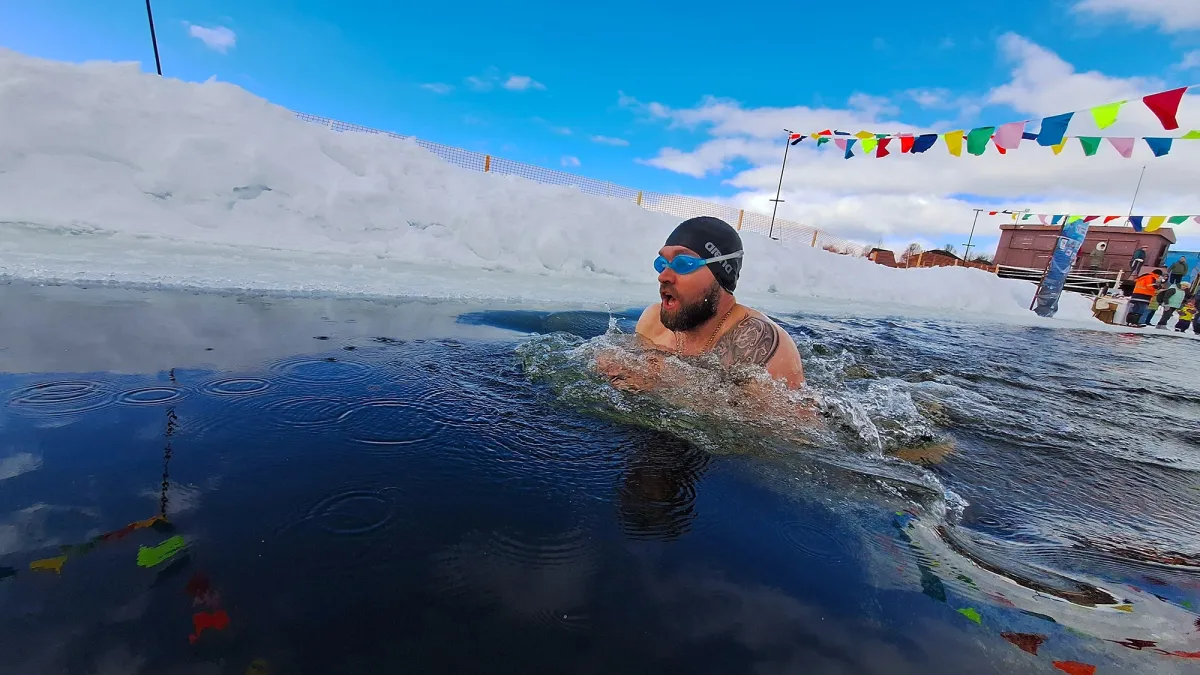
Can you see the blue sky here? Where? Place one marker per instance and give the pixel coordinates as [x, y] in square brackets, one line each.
[366, 62]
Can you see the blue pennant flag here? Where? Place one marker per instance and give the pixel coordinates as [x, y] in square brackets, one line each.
[1053, 129]
[1160, 146]
[1136, 221]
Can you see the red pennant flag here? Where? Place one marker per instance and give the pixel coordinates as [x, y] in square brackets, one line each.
[1088, 219]
[906, 143]
[1028, 642]
[1164, 105]
[1002, 150]
[1109, 219]
[793, 137]
[992, 213]
[883, 151]
[1075, 668]
[827, 132]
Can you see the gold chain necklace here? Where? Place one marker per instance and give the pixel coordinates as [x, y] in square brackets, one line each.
[711, 338]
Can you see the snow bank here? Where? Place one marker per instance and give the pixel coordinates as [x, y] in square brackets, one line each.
[108, 173]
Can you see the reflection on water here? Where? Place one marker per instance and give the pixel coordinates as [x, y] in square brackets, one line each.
[313, 486]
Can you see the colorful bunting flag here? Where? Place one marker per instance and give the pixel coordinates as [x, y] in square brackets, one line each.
[1164, 105]
[1088, 219]
[1155, 223]
[954, 142]
[1071, 219]
[850, 147]
[977, 140]
[1027, 216]
[1042, 217]
[1106, 115]
[906, 142]
[1160, 146]
[1059, 146]
[1177, 220]
[923, 143]
[1136, 222]
[795, 138]
[1008, 136]
[1197, 219]
[1053, 129]
[1028, 136]
[840, 142]
[868, 144]
[1193, 135]
[1123, 146]
[883, 151]
[822, 141]
[1109, 219]
[1090, 144]
[1055, 219]
[864, 135]
[841, 133]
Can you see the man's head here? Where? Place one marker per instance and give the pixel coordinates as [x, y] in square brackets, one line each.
[690, 296]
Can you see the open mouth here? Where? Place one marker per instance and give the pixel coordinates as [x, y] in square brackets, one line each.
[669, 301]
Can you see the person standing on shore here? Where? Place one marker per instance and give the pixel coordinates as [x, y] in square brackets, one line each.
[1171, 300]
[1139, 258]
[1177, 271]
[1143, 292]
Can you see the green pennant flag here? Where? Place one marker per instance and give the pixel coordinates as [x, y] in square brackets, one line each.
[1193, 135]
[1071, 219]
[1106, 115]
[977, 140]
[1177, 220]
[822, 141]
[1090, 144]
[879, 136]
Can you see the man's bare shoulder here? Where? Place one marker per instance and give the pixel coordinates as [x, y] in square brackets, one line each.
[754, 339]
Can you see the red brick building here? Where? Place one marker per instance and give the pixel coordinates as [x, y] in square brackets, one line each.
[1032, 245]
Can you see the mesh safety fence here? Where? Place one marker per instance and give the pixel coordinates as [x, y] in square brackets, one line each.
[675, 205]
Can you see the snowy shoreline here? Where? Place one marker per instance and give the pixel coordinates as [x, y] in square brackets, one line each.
[111, 174]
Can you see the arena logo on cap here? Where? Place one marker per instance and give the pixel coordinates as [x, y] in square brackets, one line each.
[711, 248]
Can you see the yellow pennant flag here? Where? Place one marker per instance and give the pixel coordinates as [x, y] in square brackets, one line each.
[1155, 223]
[869, 144]
[954, 142]
[864, 135]
[1193, 135]
[1059, 148]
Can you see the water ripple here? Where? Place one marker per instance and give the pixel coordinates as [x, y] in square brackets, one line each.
[305, 412]
[64, 397]
[150, 396]
[329, 370]
[236, 386]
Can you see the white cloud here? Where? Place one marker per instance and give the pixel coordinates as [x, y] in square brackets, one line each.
[930, 196]
[1191, 61]
[219, 39]
[438, 87]
[522, 83]
[491, 78]
[872, 106]
[567, 160]
[1171, 16]
[609, 140]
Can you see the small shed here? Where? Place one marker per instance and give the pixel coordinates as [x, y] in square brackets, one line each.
[1031, 246]
[882, 256]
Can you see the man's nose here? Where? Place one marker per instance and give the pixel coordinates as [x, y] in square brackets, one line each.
[667, 276]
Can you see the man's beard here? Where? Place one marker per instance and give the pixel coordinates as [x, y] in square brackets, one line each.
[692, 315]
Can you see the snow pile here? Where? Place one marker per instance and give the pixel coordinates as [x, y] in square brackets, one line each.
[109, 173]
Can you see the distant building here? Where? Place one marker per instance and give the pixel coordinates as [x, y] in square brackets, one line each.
[1032, 245]
[882, 256]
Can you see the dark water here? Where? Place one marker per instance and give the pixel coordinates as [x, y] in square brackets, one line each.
[367, 487]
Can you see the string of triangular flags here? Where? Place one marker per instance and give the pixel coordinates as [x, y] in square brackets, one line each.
[1052, 134]
[1139, 223]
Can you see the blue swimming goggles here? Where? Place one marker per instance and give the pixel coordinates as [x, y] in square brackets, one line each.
[686, 264]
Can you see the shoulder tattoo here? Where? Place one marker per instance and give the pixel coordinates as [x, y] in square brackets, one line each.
[751, 341]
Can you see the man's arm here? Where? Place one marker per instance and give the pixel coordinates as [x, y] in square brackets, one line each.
[646, 320]
[756, 340]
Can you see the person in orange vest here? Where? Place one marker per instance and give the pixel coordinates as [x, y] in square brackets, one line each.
[1143, 291]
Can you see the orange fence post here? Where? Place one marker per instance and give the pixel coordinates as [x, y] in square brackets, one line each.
[639, 199]
[487, 163]
[919, 257]
[741, 214]
[814, 241]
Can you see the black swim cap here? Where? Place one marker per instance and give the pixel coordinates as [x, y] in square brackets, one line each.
[711, 237]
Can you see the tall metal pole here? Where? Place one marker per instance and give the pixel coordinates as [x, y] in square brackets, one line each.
[153, 38]
[787, 143]
[1135, 193]
[967, 246]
